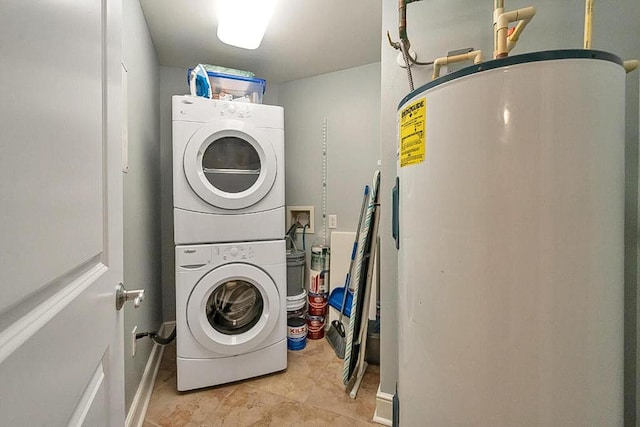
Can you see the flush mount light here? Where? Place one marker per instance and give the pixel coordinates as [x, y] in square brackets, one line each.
[242, 23]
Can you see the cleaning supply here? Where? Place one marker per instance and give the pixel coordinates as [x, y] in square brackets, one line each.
[226, 87]
[199, 82]
[354, 365]
[336, 334]
[225, 70]
[336, 298]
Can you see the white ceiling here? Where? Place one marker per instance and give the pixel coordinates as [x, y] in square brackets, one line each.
[305, 37]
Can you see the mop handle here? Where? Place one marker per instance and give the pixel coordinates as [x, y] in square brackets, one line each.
[347, 280]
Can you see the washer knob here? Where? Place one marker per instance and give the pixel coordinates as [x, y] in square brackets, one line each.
[234, 251]
[231, 108]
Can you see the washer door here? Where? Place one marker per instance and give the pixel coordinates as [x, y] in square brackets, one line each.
[228, 166]
[233, 309]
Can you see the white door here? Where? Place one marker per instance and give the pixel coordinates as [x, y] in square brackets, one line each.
[61, 356]
[228, 165]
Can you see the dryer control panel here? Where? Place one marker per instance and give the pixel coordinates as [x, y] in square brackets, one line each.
[198, 109]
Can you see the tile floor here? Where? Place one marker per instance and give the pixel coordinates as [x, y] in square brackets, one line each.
[308, 393]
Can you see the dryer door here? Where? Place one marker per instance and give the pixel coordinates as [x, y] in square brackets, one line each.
[228, 165]
[233, 309]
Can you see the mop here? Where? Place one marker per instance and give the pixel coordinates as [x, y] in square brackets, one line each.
[336, 334]
[362, 278]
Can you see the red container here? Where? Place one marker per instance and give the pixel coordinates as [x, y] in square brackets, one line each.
[315, 327]
[318, 304]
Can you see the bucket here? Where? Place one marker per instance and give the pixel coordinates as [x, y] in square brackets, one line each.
[296, 333]
[319, 270]
[315, 327]
[297, 302]
[295, 271]
[317, 304]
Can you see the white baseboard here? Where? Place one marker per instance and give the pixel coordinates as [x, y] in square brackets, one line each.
[384, 408]
[138, 410]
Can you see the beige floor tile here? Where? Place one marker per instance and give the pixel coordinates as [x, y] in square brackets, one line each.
[329, 393]
[167, 369]
[305, 367]
[247, 406]
[308, 393]
[295, 383]
[169, 407]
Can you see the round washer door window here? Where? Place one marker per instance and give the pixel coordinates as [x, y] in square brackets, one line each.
[228, 166]
[233, 309]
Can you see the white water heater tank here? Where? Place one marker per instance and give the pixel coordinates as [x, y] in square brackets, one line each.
[509, 210]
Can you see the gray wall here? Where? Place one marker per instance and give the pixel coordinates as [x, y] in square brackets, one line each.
[173, 81]
[350, 102]
[437, 27]
[141, 192]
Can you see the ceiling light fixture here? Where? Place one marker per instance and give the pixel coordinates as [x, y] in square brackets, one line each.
[242, 23]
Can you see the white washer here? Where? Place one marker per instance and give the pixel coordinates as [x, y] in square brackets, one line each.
[231, 320]
[228, 171]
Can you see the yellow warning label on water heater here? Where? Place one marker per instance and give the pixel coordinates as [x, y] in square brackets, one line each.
[412, 133]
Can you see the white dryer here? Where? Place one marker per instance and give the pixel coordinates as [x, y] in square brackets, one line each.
[228, 171]
[231, 315]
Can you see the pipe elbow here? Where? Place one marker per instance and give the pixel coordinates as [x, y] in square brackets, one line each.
[503, 21]
[440, 61]
[476, 56]
[526, 13]
[437, 64]
[436, 70]
[504, 44]
[631, 65]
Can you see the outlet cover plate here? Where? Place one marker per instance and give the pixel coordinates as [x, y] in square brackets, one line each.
[133, 341]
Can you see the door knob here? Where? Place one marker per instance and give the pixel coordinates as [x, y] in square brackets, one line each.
[123, 296]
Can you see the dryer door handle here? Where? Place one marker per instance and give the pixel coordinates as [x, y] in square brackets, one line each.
[232, 171]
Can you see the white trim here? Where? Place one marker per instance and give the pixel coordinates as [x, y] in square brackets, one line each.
[138, 410]
[88, 397]
[22, 330]
[384, 408]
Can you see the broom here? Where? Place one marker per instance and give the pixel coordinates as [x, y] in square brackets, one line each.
[336, 334]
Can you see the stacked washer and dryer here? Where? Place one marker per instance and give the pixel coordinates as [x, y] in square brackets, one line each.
[228, 195]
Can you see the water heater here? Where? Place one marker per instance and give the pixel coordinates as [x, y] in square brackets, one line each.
[508, 218]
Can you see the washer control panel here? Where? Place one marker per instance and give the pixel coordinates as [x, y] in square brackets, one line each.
[191, 258]
[234, 253]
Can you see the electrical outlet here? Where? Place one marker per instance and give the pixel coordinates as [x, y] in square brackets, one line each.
[333, 221]
[133, 341]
